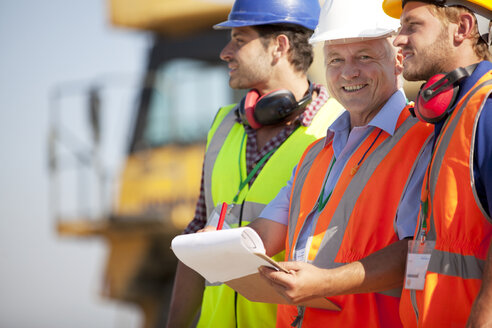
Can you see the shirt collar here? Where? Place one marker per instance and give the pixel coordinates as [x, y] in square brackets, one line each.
[386, 119]
[465, 86]
[313, 108]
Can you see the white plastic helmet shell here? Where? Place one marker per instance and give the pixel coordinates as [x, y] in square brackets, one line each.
[346, 21]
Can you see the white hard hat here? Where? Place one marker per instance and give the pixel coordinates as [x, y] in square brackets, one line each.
[345, 21]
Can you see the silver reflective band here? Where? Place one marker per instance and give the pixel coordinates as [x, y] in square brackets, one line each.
[490, 34]
[484, 26]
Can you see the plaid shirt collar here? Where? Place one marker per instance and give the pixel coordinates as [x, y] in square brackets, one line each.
[253, 156]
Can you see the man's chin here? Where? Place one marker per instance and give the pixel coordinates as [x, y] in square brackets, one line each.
[414, 76]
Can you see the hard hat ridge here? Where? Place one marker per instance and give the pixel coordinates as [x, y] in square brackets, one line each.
[345, 21]
[481, 8]
[261, 12]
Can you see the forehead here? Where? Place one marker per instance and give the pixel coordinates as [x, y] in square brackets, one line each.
[245, 31]
[370, 46]
[416, 10]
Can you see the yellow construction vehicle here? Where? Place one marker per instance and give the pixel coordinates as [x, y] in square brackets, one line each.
[184, 85]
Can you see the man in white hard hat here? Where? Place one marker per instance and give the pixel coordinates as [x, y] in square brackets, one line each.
[253, 146]
[354, 196]
[446, 43]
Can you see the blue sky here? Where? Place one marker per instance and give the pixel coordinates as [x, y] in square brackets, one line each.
[46, 280]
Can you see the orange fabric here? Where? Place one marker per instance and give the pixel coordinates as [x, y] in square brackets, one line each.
[370, 225]
[366, 310]
[459, 224]
[450, 308]
[320, 165]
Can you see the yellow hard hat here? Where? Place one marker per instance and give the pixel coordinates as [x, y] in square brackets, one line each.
[393, 8]
[481, 8]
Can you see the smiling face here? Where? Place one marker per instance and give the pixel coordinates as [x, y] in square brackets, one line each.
[248, 61]
[425, 42]
[362, 76]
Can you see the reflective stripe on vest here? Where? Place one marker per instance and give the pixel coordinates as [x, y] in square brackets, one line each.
[224, 167]
[358, 218]
[457, 263]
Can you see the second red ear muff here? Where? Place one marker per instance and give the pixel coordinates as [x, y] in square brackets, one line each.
[432, 105]
[437, 96]
[248, 106]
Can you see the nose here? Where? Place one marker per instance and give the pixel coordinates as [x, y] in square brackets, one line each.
[350, 71]
[400, 39]
[226, 53]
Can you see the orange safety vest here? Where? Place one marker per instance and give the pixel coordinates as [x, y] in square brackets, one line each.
[359, 218]
[456, 221]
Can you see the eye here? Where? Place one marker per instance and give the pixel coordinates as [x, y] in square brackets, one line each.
[411, 26]
[334, 61]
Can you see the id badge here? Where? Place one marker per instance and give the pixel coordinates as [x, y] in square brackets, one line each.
[419, 255]
[213, 219]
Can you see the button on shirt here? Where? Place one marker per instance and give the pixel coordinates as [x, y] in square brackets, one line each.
[345, 142]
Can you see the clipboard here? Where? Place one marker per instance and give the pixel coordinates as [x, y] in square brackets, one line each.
[232, 257]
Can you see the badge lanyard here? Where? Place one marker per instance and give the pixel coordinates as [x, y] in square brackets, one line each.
[420, 250]
[425, 197]
[321, 200]
[251, 174]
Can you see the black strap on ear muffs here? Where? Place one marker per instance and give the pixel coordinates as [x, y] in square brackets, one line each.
[437, 96]
[271, 108]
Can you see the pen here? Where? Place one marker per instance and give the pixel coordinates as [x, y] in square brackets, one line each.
[223, 211]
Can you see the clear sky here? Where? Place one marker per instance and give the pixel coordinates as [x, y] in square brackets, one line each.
[46, 280]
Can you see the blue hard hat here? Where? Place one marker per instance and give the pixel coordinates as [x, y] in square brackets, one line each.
[261, 12]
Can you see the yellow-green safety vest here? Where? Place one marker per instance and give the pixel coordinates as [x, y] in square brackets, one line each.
[224, 170]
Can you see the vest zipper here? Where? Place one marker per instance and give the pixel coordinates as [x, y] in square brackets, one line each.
[298, 320]
[413, 299]
[240, 223]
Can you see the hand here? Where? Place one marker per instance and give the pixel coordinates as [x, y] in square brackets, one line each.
[303, 282]
[207, 228]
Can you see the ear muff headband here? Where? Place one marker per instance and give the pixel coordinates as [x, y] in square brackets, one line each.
[271, 108]
[437, 96]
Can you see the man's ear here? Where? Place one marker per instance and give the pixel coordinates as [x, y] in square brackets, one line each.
[465, 27]
[399, 62]
[282, 46]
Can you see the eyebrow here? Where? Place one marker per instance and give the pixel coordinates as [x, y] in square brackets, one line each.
[336, 53]
[410, 17]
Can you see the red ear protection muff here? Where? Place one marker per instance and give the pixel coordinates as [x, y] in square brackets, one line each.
[247, 105]
[437, 96]
[271, 108]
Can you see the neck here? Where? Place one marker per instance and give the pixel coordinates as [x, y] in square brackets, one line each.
[465, 56]
[296, 83]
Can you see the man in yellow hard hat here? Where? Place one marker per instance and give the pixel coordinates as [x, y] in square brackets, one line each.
[449, 270]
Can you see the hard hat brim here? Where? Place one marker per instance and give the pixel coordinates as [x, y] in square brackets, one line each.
[242, 23]
[343, 36]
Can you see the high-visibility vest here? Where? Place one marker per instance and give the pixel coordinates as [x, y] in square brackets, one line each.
[456, 220]
[358, 219]
[224, 169]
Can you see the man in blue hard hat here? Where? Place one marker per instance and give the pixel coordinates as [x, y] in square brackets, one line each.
[253, 146]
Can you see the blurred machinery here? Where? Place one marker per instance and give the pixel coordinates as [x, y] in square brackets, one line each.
[139, 209]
